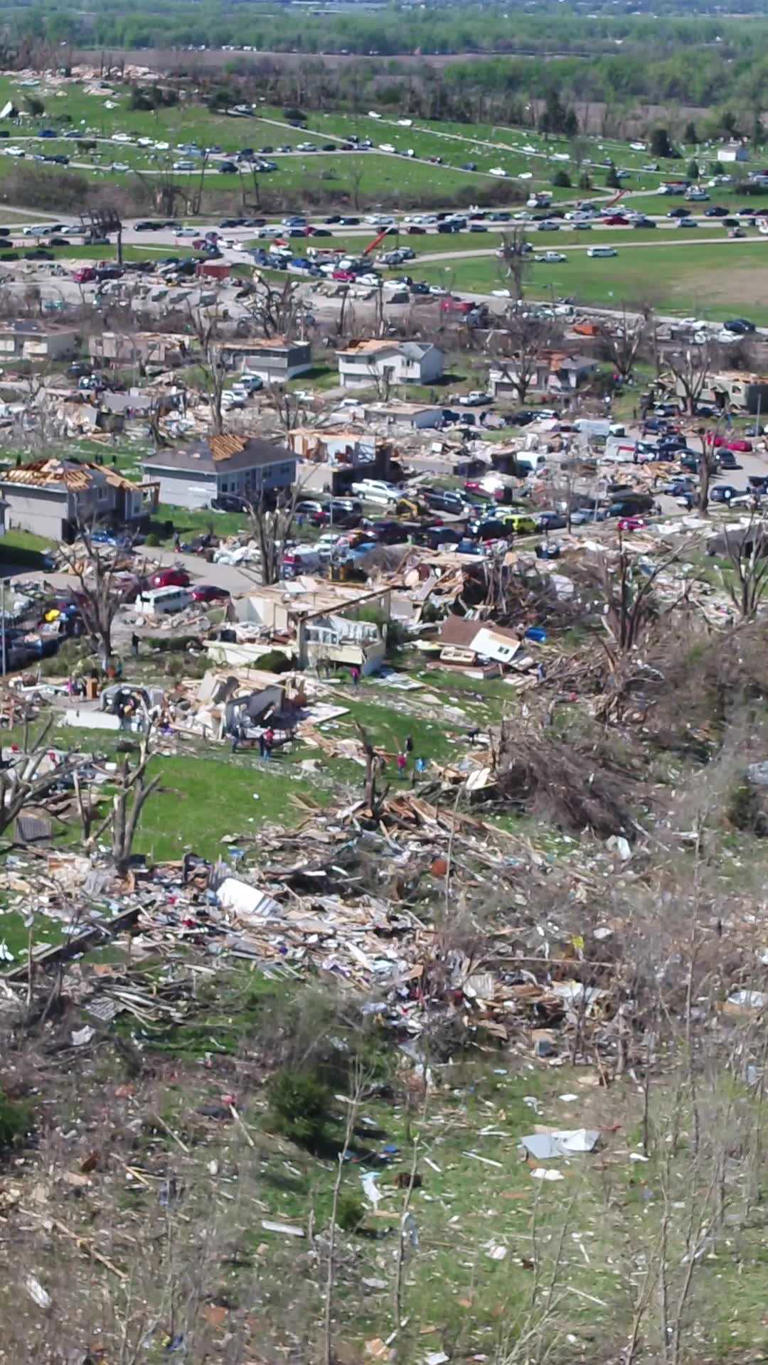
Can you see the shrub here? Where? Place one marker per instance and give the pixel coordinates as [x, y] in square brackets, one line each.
[299, 1107]
[350, 1211]
[15, 1120]
[561, 180]
[152, 538]
[274, 661]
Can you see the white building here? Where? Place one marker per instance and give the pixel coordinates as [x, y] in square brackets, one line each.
[364, 364]
[733, 151]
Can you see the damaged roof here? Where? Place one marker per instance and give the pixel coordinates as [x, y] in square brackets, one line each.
[222, 452]
[70, 474]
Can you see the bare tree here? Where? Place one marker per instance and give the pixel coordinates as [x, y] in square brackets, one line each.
[708, 466]
[689, 370]
[525, 340]
[271, 526]
[212, 364]
[515, 255]
[287, 406]
[100, 592]
[133, 789]
[746, 579]
[273, 309]
[24, 784]
[623, 339]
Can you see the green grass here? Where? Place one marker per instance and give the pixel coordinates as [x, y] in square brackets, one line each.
[24, 548]
[203, 799]
[713, 280]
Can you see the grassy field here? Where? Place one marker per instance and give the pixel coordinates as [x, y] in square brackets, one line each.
[709, 280]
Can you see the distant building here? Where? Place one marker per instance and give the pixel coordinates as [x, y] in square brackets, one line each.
[736, 390]
[54, 498]
[161, 349]
[275, 360]
[247, 466]
[363, 363]
[733, 151]
[555, 372]
[26, 340]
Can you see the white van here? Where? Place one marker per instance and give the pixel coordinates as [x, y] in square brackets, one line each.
[602, 251]
[162, 601]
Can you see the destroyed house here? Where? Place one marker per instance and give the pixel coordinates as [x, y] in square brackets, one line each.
[320, 623]
[55, 498]
[27, 340]
[333, 456]
[247, 466]
[161, 349]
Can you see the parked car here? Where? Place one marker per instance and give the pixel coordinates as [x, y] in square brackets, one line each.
[229, 502]
[725, 492]
[631, 524]
[208, 592]
[169, 578]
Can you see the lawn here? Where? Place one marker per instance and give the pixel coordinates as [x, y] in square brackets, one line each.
[711, 280]
[202, 799]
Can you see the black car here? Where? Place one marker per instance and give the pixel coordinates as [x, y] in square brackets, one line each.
[350, 222]
[334, 218]
[489, 529]
[521, 418]
[727, 460]
[679, 212]
[725, 492]
[38, 255]
[229, 502]
[227, 168]
[740, 326]
[716, 211]
[445, 500]
[644, 223]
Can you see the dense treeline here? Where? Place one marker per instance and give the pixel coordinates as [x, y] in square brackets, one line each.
[617, 60]
[395, 30]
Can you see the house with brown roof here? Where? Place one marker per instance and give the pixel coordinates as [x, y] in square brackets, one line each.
[244, 467]
[554, 372]
[56, 498]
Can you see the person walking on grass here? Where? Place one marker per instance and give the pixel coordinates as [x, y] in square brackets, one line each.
[402, 764]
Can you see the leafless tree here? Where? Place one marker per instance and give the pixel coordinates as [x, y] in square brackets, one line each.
[746, 579]
[382, 380]
[273, 309]
[515, 256]
[133, 788]
[708, 466]
[100, 592]
[24, 784]
[286, 405]
[623, 339]
[525, 340]
[212, 364]
[689, 369]
[271, 525]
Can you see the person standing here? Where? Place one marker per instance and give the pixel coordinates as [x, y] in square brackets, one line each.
[135, 645]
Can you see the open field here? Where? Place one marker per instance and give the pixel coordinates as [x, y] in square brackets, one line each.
[709, 280]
